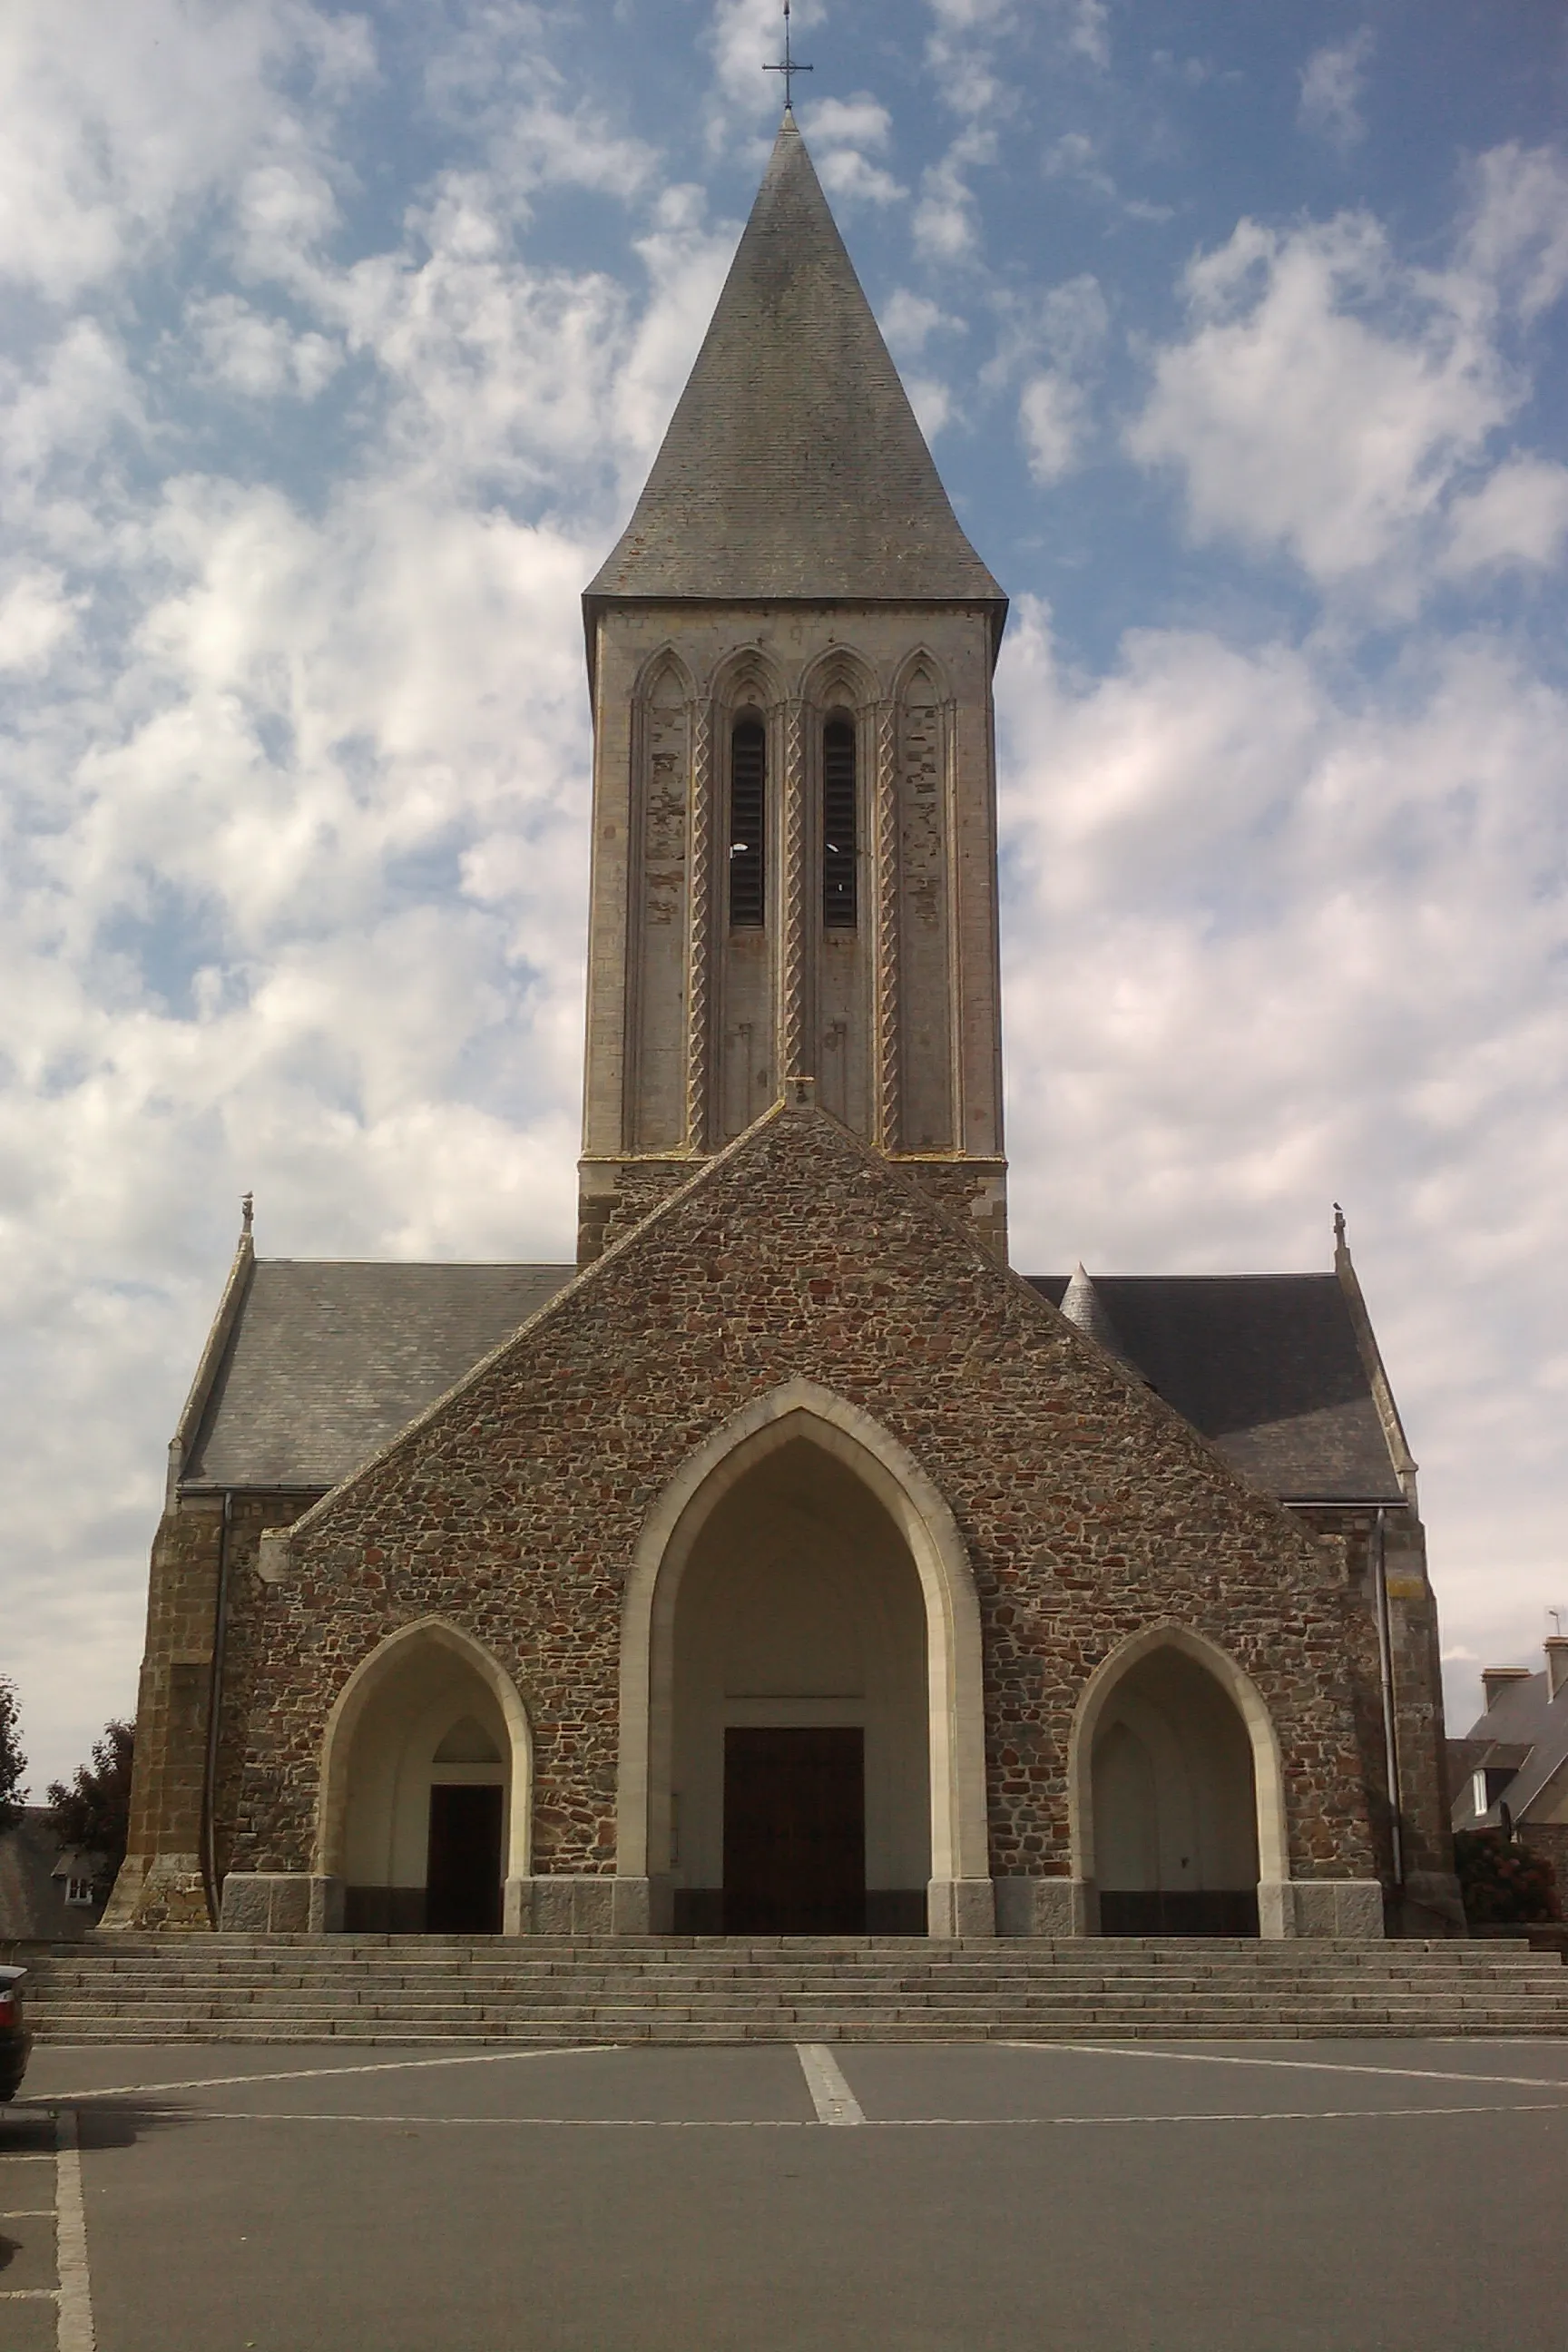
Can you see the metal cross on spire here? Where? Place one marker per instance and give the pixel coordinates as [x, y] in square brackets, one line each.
[789, 68]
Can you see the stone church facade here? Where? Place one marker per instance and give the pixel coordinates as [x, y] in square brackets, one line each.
[790, 1564]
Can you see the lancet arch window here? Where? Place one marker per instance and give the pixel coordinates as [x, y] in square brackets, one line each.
[748, 824]
[840, 826]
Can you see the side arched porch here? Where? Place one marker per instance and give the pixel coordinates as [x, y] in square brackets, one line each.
[1285, 1906]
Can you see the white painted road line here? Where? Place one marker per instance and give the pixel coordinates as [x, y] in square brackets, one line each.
[830, 2095]
[1300, 2065]
[75, 2333]
[310, 2073]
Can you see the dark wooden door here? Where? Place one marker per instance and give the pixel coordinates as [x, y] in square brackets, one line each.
[463, 1880]
[794, 1832]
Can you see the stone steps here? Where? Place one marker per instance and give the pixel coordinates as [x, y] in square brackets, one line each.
[556, 1992]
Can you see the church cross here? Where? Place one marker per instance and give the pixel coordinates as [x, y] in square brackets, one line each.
[789, 68]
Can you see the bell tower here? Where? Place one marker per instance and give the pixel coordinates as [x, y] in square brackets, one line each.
[789, 655]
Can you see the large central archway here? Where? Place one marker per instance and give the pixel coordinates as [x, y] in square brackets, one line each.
[802, 1740]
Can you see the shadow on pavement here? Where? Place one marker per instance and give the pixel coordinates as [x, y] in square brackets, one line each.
[100, 2124]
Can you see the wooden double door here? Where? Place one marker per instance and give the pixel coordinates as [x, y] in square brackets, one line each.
[794, 1831]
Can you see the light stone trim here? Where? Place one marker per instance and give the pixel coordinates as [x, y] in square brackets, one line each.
[792, 959]
[1322, 1906]
[960, 1886]
[887, 919]
[574, 1904]
[699, 943]
[1046, 1906]
[337, 1742]
[265, 1903]
[1267, 1772]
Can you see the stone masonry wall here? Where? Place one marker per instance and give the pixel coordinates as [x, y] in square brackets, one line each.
[1088, 1509]
[174, 1697]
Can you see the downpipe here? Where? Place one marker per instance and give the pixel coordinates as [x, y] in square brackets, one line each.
[1385, 1678]
[214, 1715]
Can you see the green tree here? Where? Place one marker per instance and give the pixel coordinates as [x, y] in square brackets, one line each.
[93, 1813]
[13, 1763]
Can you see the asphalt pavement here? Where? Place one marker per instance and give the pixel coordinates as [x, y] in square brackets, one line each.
[954, 2197]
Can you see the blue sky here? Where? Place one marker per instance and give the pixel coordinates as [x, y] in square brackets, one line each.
[335, 344]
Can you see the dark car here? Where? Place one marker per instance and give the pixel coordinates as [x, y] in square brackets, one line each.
[14, 2040]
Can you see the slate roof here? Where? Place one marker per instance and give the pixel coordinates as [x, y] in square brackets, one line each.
[1525, 1731]
[792, 466]
[1266, 1366]
[327, 1361]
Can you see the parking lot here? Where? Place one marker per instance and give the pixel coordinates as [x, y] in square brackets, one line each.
[1171, 2195]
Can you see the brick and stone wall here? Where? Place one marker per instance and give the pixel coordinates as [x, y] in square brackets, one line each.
[1088, 1509]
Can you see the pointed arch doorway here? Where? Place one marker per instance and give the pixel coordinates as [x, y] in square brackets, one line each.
[426, 1774]
[802, 1744]
[1177, 1798]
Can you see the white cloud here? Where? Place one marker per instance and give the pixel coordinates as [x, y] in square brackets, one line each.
[1052, 416]
[1516, 241]
[1327, 398]
[909, 320]
[119, 127]
[844, 134]
[1066, 325]
[1273, 938]
[947, 218]
[259, 356]
[1518, 516]
[35, 616]
[1334, 82]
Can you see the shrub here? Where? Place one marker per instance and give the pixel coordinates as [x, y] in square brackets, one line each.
[1503, 1883]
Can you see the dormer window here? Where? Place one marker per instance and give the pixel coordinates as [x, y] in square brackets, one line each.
[839, 814]
[748, 820]
[1488, 1785]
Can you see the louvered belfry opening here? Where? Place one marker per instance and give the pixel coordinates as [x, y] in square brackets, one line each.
[839, 911]
[747, 817]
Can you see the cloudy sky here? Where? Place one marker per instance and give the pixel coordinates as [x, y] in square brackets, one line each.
[336, 344]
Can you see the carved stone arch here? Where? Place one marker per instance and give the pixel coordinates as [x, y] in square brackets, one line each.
[746, 678]
[839, 678]
[922, 658]
[361, 1688]
[665, 663]
[1267, 1772]
[961, 1887]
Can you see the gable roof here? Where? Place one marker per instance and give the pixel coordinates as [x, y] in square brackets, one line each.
[1266, 1366]
[792, 466]
[1525, 1731]
[327, 1361]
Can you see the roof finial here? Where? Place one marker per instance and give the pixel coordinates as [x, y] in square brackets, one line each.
[1339, 1227]
[246, 1212]
[789, 68]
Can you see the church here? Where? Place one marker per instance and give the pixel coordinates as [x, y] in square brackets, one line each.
[789, 1565]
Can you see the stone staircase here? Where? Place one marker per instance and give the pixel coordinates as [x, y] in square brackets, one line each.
[545, 1990]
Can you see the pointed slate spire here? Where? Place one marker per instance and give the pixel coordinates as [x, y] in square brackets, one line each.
[792, 466]
[1083, 1305]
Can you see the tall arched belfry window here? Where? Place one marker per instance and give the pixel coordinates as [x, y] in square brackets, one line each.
[839, 826]
[748, 821]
